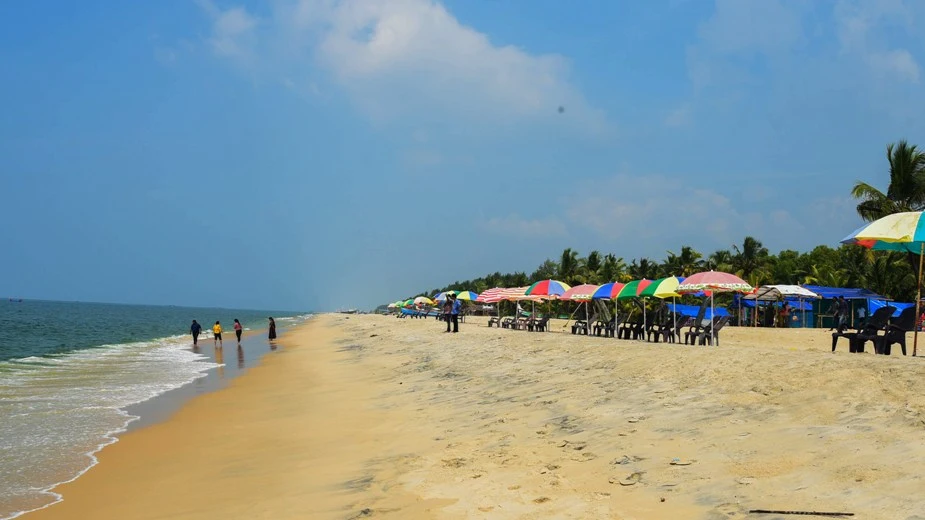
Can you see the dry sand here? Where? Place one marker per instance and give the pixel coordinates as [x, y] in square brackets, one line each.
[370, 416]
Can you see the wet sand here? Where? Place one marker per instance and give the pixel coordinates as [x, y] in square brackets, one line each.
[370, 416]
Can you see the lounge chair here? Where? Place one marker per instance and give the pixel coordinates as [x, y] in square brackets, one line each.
[868, 332]
[661, 320]
[507, 322]
[696, 326]
[896, 332]
[494, 320]
[538, 325]
[580, 327]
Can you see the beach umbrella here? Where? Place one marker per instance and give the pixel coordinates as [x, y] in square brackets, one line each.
[440, 297]
[664, 288]
[391, 305]
[582, 293]
[897, 232]
[713, 281]
[633, 290]
[547, 288]
[423, 300]
[467, 295]
[609, 291]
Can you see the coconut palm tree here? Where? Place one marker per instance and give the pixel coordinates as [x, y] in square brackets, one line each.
[752, 256]
[906, 191]
[686, 263]
[568, 265]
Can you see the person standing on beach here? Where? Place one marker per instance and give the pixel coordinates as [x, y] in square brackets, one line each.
[785, 315]
[238, 330]
[195, 329]
[840, 317]
[457, 305]
[217, 334]
[447, 309]
[272, 328]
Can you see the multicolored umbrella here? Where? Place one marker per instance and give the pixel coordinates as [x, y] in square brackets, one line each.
[632, 289]
[897, 232]
[547, 288]
[662, 288]
[441, 297]
[423, 300]
[608, 291]
[466, 295]
[582, 292]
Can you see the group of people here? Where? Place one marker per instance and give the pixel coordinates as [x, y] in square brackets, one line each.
[196, 329]
[451, 309]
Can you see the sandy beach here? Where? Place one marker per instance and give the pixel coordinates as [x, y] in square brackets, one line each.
[372, 416]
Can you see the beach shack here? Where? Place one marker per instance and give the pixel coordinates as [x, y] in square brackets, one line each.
[798, 298]
[858, 299]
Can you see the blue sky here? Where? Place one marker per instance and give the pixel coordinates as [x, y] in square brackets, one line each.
[317, 154]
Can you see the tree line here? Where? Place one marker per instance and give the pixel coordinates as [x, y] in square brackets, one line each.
[890, 274]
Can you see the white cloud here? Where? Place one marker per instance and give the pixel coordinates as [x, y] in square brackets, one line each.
[866, 28]
[678, 117]
[398, 57]
[233, 31]
[517, 226]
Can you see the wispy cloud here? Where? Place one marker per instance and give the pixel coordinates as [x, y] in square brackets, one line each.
[233, 31]
[516, 226]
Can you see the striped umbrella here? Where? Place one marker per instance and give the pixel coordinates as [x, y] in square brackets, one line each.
[632, 289]
[608, 291]
[662, 288]
[547, 288]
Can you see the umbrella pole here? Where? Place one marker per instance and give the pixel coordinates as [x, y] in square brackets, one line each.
[587, 319]
[616, 315]
[674, 314]
[712, 321]
[918, 298]
[643, 315]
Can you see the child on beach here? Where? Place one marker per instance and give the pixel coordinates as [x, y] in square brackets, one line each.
[238, 330]
[217, 334]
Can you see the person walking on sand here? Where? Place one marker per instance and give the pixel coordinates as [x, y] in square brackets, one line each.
[238, 329]
[840, 317]
[457, 305]
[195, 329]
[272, 334]
[217, 334]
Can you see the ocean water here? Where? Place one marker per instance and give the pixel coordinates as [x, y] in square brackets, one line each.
[69, 371]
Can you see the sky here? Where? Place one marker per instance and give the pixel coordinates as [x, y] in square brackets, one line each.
[326, 154]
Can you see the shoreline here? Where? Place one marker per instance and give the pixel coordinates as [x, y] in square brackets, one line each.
[372, 416]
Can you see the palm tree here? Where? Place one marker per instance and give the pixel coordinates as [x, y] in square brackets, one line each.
[568, 265]
[592, 267]
[720, 261]
[752, 256]
[613, 269]
[906, 191]
[684, 264]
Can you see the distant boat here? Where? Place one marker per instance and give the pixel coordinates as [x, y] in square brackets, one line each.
[16, 300]
[349, 311]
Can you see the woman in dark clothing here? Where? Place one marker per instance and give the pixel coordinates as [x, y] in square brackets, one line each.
[272, 328]
[195, 329]
[238, 329]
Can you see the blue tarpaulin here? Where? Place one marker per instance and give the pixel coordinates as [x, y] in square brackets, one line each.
[693, 310]
[873, 305]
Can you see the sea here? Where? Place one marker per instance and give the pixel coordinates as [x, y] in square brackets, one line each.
[73, 376]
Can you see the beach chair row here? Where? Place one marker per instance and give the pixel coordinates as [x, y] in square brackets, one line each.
[522, 323]
[666, 328]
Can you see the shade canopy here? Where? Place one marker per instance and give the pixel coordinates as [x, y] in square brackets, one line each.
[608, 291]
[632, 289]
[778, 292]
[716, 281]
[466, 295]
[547, 288]
[582, 292]
[498, 294]
[662, 288]
[897, 232]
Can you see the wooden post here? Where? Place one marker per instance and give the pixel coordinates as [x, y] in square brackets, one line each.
[918, 298]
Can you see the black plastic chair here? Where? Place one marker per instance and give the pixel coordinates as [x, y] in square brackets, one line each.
[896, 332]
[868, 332]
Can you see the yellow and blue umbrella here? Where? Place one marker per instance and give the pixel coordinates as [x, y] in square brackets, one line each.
[466, 295]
